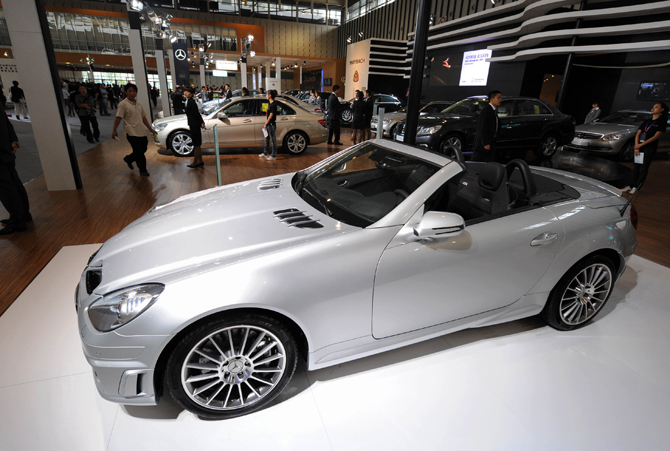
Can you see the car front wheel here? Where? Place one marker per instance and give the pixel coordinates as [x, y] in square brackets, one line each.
[548, 147]
[346, 115]
[627, 151]
[580, 294]
[295, 143]
[231, 367]
[181, 143]
[451, 140]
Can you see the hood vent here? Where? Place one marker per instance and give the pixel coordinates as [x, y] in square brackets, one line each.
[296, 218]
[269, 184]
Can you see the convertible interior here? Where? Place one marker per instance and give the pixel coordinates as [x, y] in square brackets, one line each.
[365, 188]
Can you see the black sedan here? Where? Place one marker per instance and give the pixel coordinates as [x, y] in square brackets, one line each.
[389, 102]
[525, 123]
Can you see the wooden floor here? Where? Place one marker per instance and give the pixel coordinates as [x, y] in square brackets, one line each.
[113, 196]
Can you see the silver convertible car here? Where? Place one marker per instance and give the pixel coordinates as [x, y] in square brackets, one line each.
[240, 122]
[215, 295]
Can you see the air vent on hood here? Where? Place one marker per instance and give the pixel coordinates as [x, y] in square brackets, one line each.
[296, 218]
[269, 184]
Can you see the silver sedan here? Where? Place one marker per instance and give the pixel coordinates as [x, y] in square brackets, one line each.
[392, 119]
[614, 135]
[216, 294]
[239, 124]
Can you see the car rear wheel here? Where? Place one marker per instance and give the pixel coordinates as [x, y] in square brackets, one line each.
[346, 115]
[548, 146]
[627, 151]
[295, 142]
[451, 140]
[231, 367]
[181, 143]
[580, 294]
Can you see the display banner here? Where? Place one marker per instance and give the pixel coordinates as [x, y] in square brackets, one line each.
[312, 79]
[181, 69]
[358, 67]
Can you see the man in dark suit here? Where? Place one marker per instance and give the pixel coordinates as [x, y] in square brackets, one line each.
[178, 101]
[487, 129]
[333, 117]
[13, 195]
[228, 92]
[195, 125]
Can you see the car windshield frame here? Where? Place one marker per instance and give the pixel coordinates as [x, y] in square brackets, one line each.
[456, 107]
[383, 178]
[632, 117]
[213, 106]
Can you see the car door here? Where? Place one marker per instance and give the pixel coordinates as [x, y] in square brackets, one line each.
[531, 121]
[509, 123]
[490, 265]
[237, 128]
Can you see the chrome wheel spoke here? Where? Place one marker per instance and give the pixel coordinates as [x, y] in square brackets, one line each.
[260, 380]
[202, 377]
[244, 342]
[255, 344]
[208, 357]
[223, 354]
[258, 395]
[202, 366]
[206, 387]
[269, 359]
[239, 389]
[230, 340]
[263, 351]
[210, 399]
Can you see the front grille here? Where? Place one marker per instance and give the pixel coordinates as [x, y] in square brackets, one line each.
[584, 135]
[297, 218]
[269, 184]
[93, 279]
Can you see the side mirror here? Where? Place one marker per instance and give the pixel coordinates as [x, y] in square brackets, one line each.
[222, 116]
[438, 224]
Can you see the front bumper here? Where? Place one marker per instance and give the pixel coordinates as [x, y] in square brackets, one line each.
[421, 140]
[123, 366]
[590, 145]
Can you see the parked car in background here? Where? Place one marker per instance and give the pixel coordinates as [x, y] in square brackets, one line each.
[217, 294]
[525, 123]
[614, 135]
[389, 102]
[240, 122]
[392, 119]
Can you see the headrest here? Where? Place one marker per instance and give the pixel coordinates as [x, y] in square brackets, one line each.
[491, 176]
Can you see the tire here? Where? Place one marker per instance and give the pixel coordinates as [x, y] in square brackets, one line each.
[346, 115]
[566, 308]
[548, 146]
[207, 378]
[180, 143]
[392, 132]
[451, 139]
[295, 142]
[627, 151]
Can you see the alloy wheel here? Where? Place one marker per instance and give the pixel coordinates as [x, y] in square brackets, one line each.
[182, 144]
[453, 141]
[347, 115]
[549, 146]
[585, 294]
[296, 143]
[233, 368]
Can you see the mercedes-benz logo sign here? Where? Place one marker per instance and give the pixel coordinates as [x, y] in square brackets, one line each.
[180, 54]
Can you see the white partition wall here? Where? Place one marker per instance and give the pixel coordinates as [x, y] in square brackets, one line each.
[139, 64]
[358, 67]
[162, 77]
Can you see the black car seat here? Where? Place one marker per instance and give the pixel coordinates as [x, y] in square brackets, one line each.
[483, 195]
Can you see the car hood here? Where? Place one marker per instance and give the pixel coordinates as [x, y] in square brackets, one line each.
[604, 128]
[211, 228]
[167, 120]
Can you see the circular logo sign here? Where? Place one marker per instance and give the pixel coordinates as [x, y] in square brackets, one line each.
[343, 79]
[443, 19]
[180, 54]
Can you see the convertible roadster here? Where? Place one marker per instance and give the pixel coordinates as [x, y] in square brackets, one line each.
[214, 296]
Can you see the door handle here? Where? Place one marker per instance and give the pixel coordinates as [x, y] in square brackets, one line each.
[283, 119]
[545, 238]
[343, 182]
[247, 121]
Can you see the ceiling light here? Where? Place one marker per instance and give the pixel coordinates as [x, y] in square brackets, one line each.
[252, 53]
[250, 37]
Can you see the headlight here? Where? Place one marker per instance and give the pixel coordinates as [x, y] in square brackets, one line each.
[159, 127]
[612, 137]
[374, 119]
[117, 309]
[428, 130]
[387, 121]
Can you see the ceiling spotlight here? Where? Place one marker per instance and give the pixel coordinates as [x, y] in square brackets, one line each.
[304, 62]
[349, 40]
[173, 38]
[360, 34]
[136, 5]
[250, 37]
[252, 53]
[273, 64]
[295, 65]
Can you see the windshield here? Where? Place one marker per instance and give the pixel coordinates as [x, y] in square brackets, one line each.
[213, 105]
[626, 117]
[467, 106]
[363, 184]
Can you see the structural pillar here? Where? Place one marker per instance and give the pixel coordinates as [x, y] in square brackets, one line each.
[260, 76]
[253, 78]
[268, 73]
[139, 64]
[568, 64]
[36, 62]
[173, 74]
[162, 77]
[416, 75]
[243, 73]
[278, 74]
[202, 71]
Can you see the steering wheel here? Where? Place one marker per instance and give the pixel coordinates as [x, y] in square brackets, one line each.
[455, 153]
[529, 188]
[401, 194]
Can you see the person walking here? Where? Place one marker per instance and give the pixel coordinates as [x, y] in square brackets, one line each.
[333, 117]
[487, 129]
[594, 114]
[646, 144]
[101, 91]
[86, 110]
[270, 127]
[16, 95]
[195, 124]
[358, 122]
[154, 95]
[13, 195]
[369, 109]
[113, 101]
[66, 99]
[134, 123]
[178, 101]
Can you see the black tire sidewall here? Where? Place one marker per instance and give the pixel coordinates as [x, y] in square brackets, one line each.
[186, 344]
[551, 312]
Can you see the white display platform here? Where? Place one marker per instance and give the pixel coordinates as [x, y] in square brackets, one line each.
[516, 386]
